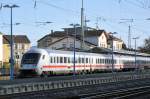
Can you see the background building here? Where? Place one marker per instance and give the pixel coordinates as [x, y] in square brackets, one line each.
[92, 38]
[21, 45]
[1, 49]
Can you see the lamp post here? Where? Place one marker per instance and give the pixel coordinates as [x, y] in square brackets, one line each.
[82, 25]
[135, 52]
[11, 40]
[112, 51]
[74, 58]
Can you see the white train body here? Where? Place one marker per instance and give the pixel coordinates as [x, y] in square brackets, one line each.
[43, 61]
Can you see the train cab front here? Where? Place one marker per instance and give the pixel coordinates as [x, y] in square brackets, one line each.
[29, 65]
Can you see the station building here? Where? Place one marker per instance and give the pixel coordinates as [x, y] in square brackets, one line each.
[92, 38]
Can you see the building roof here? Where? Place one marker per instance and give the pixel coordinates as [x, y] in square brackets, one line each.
[54, 34]
[109, 37]
[16, 38]
[93, 32]
[72, 37]
[87, 33]
[64, 33]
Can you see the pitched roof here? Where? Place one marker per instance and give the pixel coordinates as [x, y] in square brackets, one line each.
[64, 33]
[71, 37]
[109, 37]
[94, 32]
[54, 34]
[16, 38]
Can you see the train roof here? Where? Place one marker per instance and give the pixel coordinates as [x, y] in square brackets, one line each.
[123, 52]
[95, 51]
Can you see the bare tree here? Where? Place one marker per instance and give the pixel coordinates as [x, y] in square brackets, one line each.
[146, 47]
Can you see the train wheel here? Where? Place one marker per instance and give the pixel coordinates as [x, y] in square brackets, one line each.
[44, 75]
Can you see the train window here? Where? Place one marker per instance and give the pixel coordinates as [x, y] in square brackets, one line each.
[30, 58]
[82, 60]
[69, 60]
[51, 59]
[57, 59]
[106, 61]
[102, 60]
[65, 59]
[96, 61]
[43, 57]
[115, 61]
[61, 59]
[79, 60]
[109, 61]
[90, 60]
[86, 60]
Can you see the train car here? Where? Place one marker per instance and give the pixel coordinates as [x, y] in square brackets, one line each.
[45, 62]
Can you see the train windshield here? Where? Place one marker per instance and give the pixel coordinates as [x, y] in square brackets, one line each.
[30, 58]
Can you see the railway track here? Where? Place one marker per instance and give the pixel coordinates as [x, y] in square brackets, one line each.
[69, 77]
[118, 94]
[103, 91]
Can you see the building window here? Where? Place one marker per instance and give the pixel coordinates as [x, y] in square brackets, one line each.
[16, 46]
[23, 46]
[17, 56]
[53, 47]
[64, 45]
[71, 46]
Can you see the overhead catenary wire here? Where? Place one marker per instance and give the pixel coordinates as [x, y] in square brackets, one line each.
[137, 4]
[60, 8]
[68, 10]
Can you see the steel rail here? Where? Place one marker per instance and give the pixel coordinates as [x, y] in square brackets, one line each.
[117, 94]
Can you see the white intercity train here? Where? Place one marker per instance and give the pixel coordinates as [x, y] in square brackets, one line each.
[45, 62]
